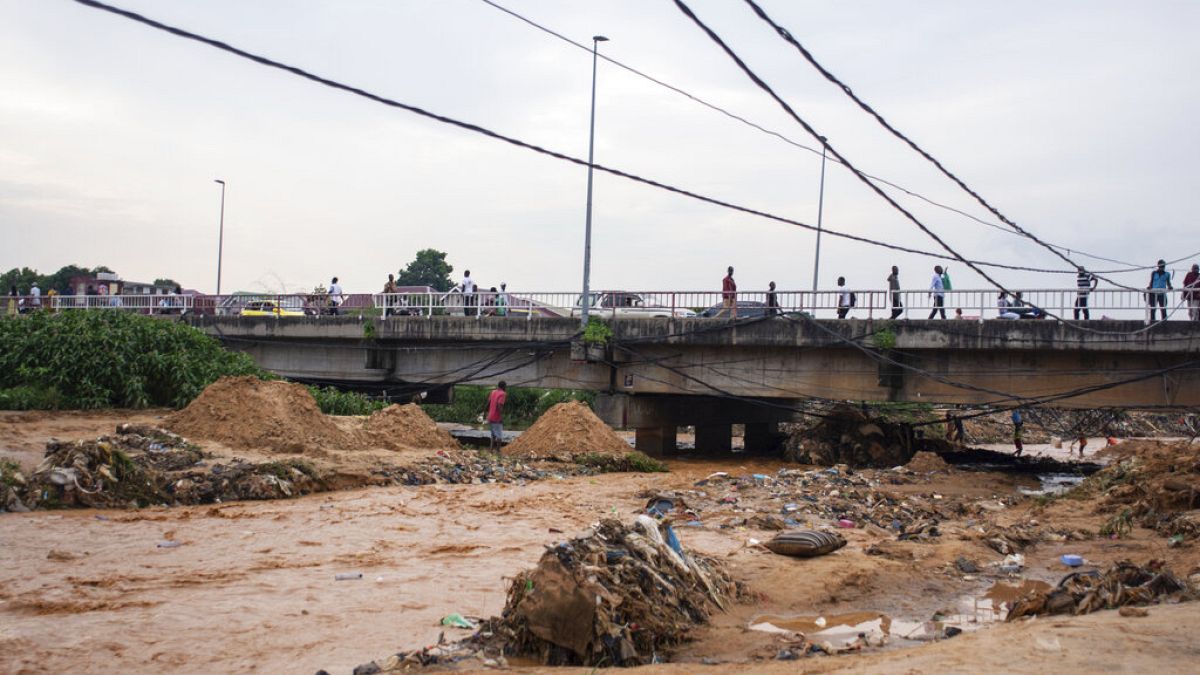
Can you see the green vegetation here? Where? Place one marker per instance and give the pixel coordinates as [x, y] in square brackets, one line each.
[901, 412]
[334, 402]
[108, 359]
[9, 470]
[429, 268]
[630, 462]
[885, 337]
[597, 332]
[1119, 525]
[523, 408]
[24, 277]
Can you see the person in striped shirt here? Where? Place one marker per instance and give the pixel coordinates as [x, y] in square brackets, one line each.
[1085, 282]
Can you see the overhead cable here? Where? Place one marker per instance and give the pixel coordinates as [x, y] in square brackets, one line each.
[262, 60]
[1130, 267]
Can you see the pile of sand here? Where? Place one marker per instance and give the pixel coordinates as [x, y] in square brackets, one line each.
[927, 462]
[407, 426]
[249, 413]
[565, 431]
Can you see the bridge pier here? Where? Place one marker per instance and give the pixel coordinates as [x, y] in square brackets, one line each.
[712, 439]
[656, 441]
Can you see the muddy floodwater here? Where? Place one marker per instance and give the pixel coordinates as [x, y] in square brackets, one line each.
[254, 586]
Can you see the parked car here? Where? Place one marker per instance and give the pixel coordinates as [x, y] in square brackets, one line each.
[625, 304]
[749, 309]
[285, 307]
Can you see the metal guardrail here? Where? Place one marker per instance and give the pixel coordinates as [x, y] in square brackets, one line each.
[867, 303]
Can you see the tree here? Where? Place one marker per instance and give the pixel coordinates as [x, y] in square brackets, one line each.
[428, 269]
[166, 282]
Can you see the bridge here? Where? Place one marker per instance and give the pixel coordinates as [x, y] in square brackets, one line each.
[656, 374]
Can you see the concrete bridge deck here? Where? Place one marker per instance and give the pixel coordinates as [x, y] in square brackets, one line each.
[657, 373]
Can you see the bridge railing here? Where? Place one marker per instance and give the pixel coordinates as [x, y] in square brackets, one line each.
[142, 303]
[974, 304]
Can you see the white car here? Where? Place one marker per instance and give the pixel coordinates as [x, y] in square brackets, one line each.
[626, 305]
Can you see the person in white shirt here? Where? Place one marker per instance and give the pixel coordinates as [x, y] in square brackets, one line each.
[36, 292]
[937, 290]
[468, 291]
[335, 296]
[845, 301]
[1005, 306]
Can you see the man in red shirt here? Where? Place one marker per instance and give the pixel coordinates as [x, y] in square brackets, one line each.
[495, 411]
[728, 296]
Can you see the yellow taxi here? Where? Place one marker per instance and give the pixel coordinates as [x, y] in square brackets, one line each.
[270, 308]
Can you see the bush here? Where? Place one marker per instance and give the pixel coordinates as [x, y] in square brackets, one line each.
[335, 402]
[101, 359]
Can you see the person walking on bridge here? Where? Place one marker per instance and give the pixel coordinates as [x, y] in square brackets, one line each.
[894, 288]
[1160, 283]
[1191, 284]
[728, 296]
[495, 413]
[468, 293]
[1085, 283]
[937, 291]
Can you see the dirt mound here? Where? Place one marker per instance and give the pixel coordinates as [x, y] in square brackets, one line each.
[407, 426]
[248, 413]
[565, 431]
[927, 462]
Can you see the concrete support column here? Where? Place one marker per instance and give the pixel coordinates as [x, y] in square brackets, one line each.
[761, 437]
[714, 438]
[655, 441]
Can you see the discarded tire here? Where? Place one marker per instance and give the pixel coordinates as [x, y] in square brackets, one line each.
[806, 544]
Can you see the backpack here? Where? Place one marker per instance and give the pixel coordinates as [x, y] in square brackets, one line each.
[946, 280]
[853, 299]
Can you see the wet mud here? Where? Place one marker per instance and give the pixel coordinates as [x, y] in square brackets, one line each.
[254, 586]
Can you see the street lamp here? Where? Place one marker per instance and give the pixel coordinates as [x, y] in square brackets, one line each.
[584, 301]
[820, 210]
[221, 233]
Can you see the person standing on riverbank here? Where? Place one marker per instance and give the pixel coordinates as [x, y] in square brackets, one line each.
[495, 414]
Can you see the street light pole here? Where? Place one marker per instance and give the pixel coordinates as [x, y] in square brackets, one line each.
[820, 211]
[221, 234]
[585, 299]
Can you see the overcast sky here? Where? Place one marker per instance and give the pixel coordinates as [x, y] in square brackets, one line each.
[1076, 119]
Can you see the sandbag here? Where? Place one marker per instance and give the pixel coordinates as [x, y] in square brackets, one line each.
[806, 543]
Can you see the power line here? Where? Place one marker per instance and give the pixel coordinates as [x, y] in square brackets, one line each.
[762, 84]
[262, 60]
[1130, 267]
[787, 36]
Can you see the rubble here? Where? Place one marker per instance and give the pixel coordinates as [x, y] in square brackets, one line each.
[1121, 585]
[566, 431]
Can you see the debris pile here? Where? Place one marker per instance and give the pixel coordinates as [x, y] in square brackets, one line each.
[618, 596]
[621, 595]
[1155, 485]
[12, 481]
[140, 466]
[249, 413]
[1122, 584]
[847, 436]
[566, 431]
[407, 426]
[1018, 537]
[795, 498]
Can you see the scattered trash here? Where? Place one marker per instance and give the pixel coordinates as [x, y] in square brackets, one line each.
[1133, 612]
[457, 621]
[1071, 560]
[966, 566]
[169, 543]
[806, 544]
[845, 523]
[347, 576]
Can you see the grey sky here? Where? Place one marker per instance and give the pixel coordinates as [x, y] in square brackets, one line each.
[1074, 118]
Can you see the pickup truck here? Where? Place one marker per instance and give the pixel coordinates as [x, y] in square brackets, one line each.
[627, 305]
